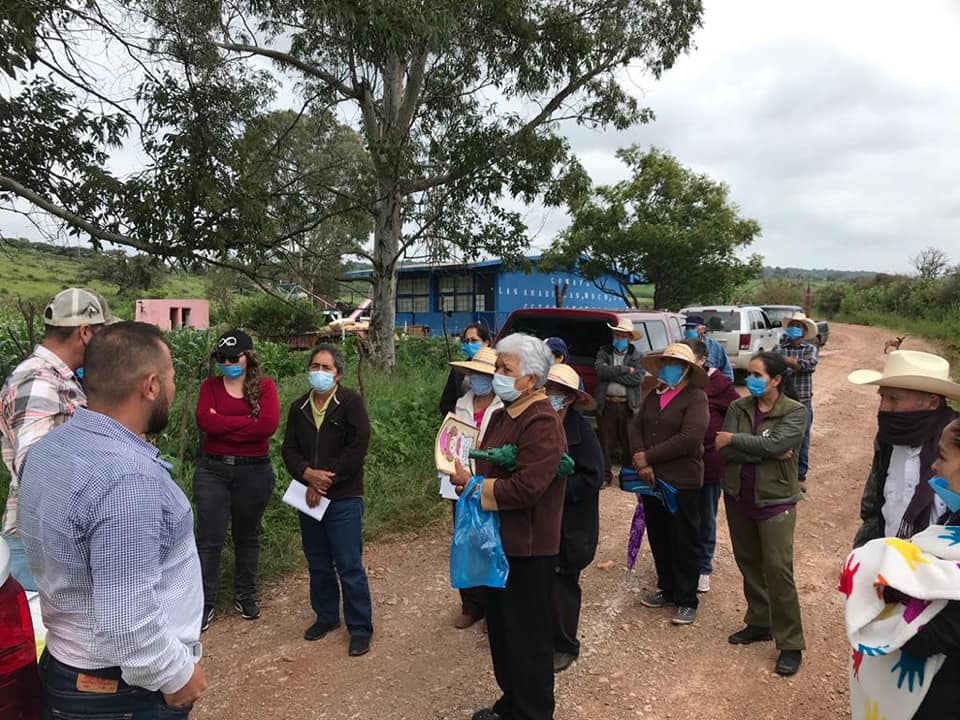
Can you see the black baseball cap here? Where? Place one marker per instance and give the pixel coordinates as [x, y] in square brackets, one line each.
[693, 321]
[232, 344]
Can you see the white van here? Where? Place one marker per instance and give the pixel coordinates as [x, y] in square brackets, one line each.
[743, 330]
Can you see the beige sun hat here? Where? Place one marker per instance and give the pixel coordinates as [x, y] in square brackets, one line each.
[651, 362]
[485, 362]
[625, 325]
[911, 370]
[565, 376]
[810, 330]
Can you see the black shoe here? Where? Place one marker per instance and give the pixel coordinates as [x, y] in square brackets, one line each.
[208, 613]
[562, 660]
[656, 600]
[359, 645]
[486, 714]
[788, 663]
[750, 634]
[247, 607]
[319, 629]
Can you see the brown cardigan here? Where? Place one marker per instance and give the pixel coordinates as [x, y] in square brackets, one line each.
[530, 499]
[672, 438]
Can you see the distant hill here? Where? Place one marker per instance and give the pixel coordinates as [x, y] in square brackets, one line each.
[815, 274]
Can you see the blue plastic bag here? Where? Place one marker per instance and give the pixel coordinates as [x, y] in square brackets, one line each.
[477, 558]
[664, 492]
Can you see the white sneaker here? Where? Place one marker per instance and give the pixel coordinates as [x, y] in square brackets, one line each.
[703, 585]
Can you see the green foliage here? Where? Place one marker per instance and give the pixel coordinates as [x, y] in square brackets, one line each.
[137, 272]
[675, 228]
[778, 292]
[273, 318]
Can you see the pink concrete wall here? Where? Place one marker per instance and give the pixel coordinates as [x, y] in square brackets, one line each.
[169, 314]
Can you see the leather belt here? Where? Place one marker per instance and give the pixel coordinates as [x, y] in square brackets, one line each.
[237, 460]
[616, 399]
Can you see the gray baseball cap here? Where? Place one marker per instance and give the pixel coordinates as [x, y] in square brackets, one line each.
[76, 306]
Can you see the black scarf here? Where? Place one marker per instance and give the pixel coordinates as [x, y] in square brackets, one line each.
[916, 429]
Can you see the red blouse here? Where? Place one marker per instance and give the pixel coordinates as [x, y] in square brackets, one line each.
[231, 430]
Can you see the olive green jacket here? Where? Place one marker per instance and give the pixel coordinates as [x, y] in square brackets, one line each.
[781, 430]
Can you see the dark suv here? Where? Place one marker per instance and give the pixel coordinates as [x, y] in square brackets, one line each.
[585, 331]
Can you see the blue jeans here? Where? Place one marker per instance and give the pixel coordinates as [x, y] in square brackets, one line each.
[805, 447]
[709, 500]
[62, 699]
[334, 550]
[18, 563]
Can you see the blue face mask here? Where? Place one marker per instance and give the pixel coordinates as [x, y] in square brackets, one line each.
[505, 388]
[756, 386]
[620, 344]
[558, 401]
[943, 491]
[691, 334]
[78, 373]
[481, 385]
[794, 333]
[470, 349]
[671, 374]
[230, 371]
[321, 380]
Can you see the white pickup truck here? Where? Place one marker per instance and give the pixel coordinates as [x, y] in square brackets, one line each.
[743, 330]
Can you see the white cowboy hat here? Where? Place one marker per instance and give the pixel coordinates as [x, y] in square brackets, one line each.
[484, 361]
[651, 362]
[565, 376]
[911, 370]
[625, 325]
[810, 330]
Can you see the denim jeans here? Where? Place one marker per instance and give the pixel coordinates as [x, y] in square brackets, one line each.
[234, 495]
[61, 698]
[334, 550]
[804, 460]
[18, 563]
[709, 501]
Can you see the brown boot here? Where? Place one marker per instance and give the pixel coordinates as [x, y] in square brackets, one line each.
[464, 621]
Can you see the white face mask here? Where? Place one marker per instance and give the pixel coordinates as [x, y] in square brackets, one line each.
[505, 387]
[558, 401]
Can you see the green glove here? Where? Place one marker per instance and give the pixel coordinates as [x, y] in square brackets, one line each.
[566, 466]
[505, 457]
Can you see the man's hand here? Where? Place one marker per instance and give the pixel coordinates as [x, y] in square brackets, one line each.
[313, 497]
[189, 693]
[723, 439]
[791, 362]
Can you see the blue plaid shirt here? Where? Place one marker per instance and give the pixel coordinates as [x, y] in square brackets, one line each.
[807, 355]
[109, 538]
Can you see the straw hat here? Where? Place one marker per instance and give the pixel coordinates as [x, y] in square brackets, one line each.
[810, 330]
[485, 362]
[625, 325]
[652, 362]
[911, 370]
[565, 376]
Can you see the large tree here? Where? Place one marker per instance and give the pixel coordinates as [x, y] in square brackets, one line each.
[460, 105]
[665, 225]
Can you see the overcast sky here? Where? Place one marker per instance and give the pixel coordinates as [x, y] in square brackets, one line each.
[834, 124]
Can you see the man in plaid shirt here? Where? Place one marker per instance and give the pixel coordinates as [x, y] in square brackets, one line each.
[801, 356]
[43, 392]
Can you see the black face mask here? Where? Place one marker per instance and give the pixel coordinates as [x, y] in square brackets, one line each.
[908, 428]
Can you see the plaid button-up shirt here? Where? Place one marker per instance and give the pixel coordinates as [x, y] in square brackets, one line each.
[807, 355]
[41, 393]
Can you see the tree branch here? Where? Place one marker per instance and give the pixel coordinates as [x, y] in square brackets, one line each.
[288, 59]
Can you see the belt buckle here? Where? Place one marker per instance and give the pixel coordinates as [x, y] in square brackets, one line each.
[230, 459]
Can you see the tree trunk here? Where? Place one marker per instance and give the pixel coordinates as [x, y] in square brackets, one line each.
[662, 296]
[386, 249]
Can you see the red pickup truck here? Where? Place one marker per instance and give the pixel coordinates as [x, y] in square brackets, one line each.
[585, 331]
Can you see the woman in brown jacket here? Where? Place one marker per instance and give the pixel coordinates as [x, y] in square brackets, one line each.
[668, 437]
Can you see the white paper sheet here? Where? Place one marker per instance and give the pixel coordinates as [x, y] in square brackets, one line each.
[447, 490]
[296, 496]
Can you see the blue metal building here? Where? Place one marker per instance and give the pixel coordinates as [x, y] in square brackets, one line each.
[487, 292]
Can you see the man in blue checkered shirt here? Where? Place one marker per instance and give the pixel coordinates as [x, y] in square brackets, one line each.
[801, 357]
[109, 538]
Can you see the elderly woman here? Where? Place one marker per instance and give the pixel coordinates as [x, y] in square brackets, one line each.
[530, 502]
[580, 528]
[760, 442]
[476, 408]
[668, 437]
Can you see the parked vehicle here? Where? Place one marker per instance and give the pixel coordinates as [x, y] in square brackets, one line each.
[779, 314]
[19, 679]
[585, 331]
[743, 330]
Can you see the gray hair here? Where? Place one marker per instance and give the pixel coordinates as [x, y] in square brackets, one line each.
[535, 356]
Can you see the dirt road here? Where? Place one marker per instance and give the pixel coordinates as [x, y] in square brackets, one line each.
[634, 663]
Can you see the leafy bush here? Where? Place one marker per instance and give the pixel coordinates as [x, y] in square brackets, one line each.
[273, 318]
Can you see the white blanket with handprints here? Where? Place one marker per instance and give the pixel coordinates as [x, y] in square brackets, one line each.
[885, 683]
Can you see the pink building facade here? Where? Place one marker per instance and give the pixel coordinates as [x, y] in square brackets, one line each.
[171, 314]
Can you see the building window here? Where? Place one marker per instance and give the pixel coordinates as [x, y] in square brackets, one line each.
[456, 293]
[413, 295]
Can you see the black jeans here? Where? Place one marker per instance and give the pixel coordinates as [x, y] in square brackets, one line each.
[233, 495]
[566, 611]
[113, 699]
[675, 544]
[520, 631]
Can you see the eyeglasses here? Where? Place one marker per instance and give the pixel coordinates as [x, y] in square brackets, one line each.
[221, 358]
